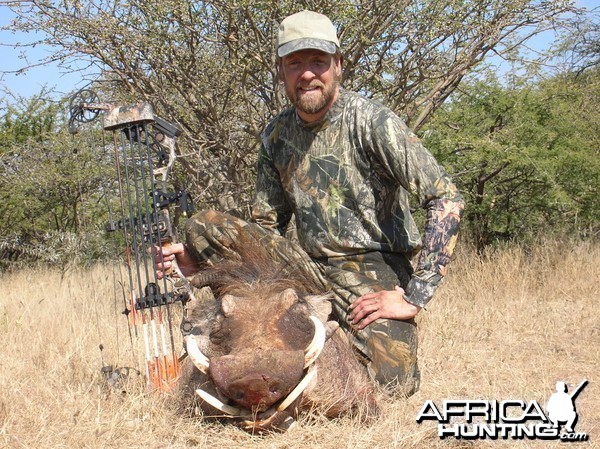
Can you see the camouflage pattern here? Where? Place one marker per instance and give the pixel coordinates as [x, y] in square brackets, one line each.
[387, 347]
[347, 180]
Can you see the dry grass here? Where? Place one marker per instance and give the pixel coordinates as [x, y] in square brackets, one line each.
[504, 327]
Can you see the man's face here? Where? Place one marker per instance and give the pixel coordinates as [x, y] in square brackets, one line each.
[311, 79]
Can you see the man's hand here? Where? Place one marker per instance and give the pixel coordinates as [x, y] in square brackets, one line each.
[170, 253]
[384, 304]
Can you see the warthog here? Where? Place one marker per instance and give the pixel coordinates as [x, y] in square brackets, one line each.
[264, 349]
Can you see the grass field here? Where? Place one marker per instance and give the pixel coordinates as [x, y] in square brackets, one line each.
[505, 326]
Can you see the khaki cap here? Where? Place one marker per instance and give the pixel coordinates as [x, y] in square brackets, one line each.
[306, 29]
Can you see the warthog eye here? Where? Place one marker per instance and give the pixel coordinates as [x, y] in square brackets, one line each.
[219, 333]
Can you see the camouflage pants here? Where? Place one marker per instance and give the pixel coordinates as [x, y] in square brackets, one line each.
[388, 347]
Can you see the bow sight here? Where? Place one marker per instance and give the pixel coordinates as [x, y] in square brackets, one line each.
[144, 153]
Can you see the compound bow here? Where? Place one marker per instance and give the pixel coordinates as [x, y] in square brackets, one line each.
[144, 153]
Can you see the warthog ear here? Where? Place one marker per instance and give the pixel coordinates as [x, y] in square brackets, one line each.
[319, 306]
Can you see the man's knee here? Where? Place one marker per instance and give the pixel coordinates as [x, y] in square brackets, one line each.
[393, 356]
[209, 234]
[209, 217]
[197, 223]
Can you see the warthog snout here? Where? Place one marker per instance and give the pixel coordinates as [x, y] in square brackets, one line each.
[259, 379]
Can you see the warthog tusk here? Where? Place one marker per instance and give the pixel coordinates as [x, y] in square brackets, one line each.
[235, 412]
[316, 345]
[198, 359]
[218, 404]
[298, 390]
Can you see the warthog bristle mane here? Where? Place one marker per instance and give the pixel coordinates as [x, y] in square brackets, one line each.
[249, 266]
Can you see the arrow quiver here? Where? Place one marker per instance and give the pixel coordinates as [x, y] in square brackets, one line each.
[144, 153]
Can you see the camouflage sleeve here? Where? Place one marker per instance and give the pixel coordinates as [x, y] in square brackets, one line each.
[441, 231]
[270, 208]
[415, 168]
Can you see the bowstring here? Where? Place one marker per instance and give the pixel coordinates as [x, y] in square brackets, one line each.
[115, 269]
[128, 302]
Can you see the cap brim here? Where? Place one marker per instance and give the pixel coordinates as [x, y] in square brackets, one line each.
[305, 44]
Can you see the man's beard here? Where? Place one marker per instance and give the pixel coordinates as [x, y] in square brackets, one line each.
[313, 104]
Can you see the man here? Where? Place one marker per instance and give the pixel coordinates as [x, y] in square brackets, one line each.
[343, 166]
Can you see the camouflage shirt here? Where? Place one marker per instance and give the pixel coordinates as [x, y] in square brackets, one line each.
[347, 179]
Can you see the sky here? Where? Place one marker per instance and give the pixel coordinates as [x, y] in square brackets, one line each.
[31, 82]
[53, 78]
